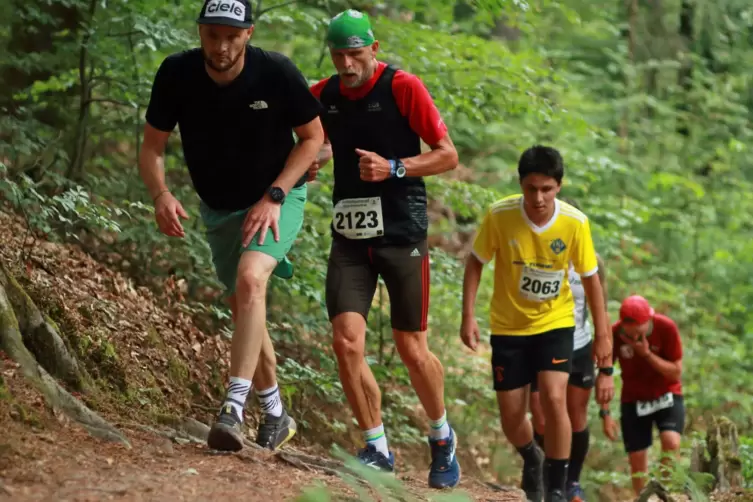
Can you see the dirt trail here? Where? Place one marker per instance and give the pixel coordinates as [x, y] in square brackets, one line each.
[44, 457]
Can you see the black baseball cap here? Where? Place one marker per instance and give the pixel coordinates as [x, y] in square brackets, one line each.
[236, 13]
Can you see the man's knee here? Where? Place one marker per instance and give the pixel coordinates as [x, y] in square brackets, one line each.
[253, 274]
[553, 393]
[670, 441]
[412, 347]
[349, 336]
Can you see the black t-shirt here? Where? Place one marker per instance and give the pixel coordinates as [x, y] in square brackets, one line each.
[236, 137]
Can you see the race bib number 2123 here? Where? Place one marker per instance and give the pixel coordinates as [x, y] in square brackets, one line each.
[359, 218]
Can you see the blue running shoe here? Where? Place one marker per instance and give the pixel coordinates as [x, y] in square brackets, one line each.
[445, 469]
[575, 493]
[371, 457]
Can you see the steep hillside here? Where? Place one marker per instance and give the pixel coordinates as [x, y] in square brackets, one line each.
[154, 376]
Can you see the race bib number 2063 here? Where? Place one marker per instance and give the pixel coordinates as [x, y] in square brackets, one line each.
[359, 218]
[540, 285]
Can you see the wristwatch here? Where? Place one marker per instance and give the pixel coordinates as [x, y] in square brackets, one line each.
[607, 371]
[603, 413]
[397, 168]
[277, 194]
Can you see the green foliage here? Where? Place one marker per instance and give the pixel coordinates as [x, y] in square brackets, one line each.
[656, 156]
[746, 458]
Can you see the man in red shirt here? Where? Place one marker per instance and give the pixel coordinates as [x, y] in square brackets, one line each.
[649, 349]
[375, 117]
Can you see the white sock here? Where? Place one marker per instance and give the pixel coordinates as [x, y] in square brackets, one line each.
[377, 437]
[439, 429]
[270, 401]
[237, 391]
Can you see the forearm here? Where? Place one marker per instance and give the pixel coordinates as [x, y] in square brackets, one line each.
[471, 281]
[301, 157]
[668, 369]
[152, 171]
[430, 163]
[597, 304]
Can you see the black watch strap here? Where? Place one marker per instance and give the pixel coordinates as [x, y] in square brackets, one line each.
[603, 413]
[607, 371]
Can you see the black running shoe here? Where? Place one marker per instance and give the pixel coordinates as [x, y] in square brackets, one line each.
[226, 433]
[275, 431]
[533, 478]
[555, 496]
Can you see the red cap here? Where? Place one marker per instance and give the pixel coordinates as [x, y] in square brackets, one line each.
[635, 309]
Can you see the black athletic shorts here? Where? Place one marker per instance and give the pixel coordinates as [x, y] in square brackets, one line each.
[352, 274]
[637, 431]
[582, 373]
[517, 360]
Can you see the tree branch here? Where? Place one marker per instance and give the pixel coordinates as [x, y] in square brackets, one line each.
[264, 11]
[108, 100]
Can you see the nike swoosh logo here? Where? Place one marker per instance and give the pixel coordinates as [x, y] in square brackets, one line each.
[558, 361]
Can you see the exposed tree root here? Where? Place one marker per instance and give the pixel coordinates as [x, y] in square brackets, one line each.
[12, 343]
[40, 335]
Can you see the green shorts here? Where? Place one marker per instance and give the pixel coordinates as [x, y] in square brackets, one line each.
[223, 231]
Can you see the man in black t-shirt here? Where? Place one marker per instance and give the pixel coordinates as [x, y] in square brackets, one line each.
[237, 107]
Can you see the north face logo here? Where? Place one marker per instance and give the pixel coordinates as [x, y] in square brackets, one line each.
[374, 107]
[258, 105]
[226, 8]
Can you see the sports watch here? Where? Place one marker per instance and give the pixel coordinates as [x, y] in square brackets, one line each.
[603, 413]
[397, 168]
[607, 371]
[277, 194]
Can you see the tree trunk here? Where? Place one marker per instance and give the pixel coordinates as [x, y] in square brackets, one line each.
[34, 35]
[720, 456]
[685, 74]
[11, 342]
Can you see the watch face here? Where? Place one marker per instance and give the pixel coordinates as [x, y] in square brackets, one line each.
[400, 172]
[276, 194]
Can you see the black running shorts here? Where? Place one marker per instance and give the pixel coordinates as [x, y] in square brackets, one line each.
[637, 431]
[517, 360]
[354, 268]
[583, 372]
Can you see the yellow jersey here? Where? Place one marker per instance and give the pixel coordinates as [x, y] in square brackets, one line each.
[531, 291]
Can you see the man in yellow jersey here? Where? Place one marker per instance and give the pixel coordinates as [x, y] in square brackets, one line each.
[533, 238]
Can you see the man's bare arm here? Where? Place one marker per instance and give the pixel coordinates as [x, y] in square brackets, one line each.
[442, 157]
[152, 160]
[471, 280]
[603, 279]
[303, 154]
[595, 299]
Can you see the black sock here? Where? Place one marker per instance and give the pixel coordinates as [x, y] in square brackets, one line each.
[577, 455]
[556, 470]
[529, 453]
[539, 439]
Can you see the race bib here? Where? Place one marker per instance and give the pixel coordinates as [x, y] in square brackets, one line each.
[643, 408]
[359, 218]
[540, 285]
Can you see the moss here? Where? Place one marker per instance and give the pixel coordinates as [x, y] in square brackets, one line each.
[153, 337]
[24, 415]
[177, 370]
[4, 392]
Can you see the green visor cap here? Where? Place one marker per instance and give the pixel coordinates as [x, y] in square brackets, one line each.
[349, 30]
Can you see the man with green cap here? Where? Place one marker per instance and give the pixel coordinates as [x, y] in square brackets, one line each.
[237, 107]
[375, 117]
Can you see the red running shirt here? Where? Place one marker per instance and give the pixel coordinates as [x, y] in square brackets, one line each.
[412, 98]
[640, 381]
